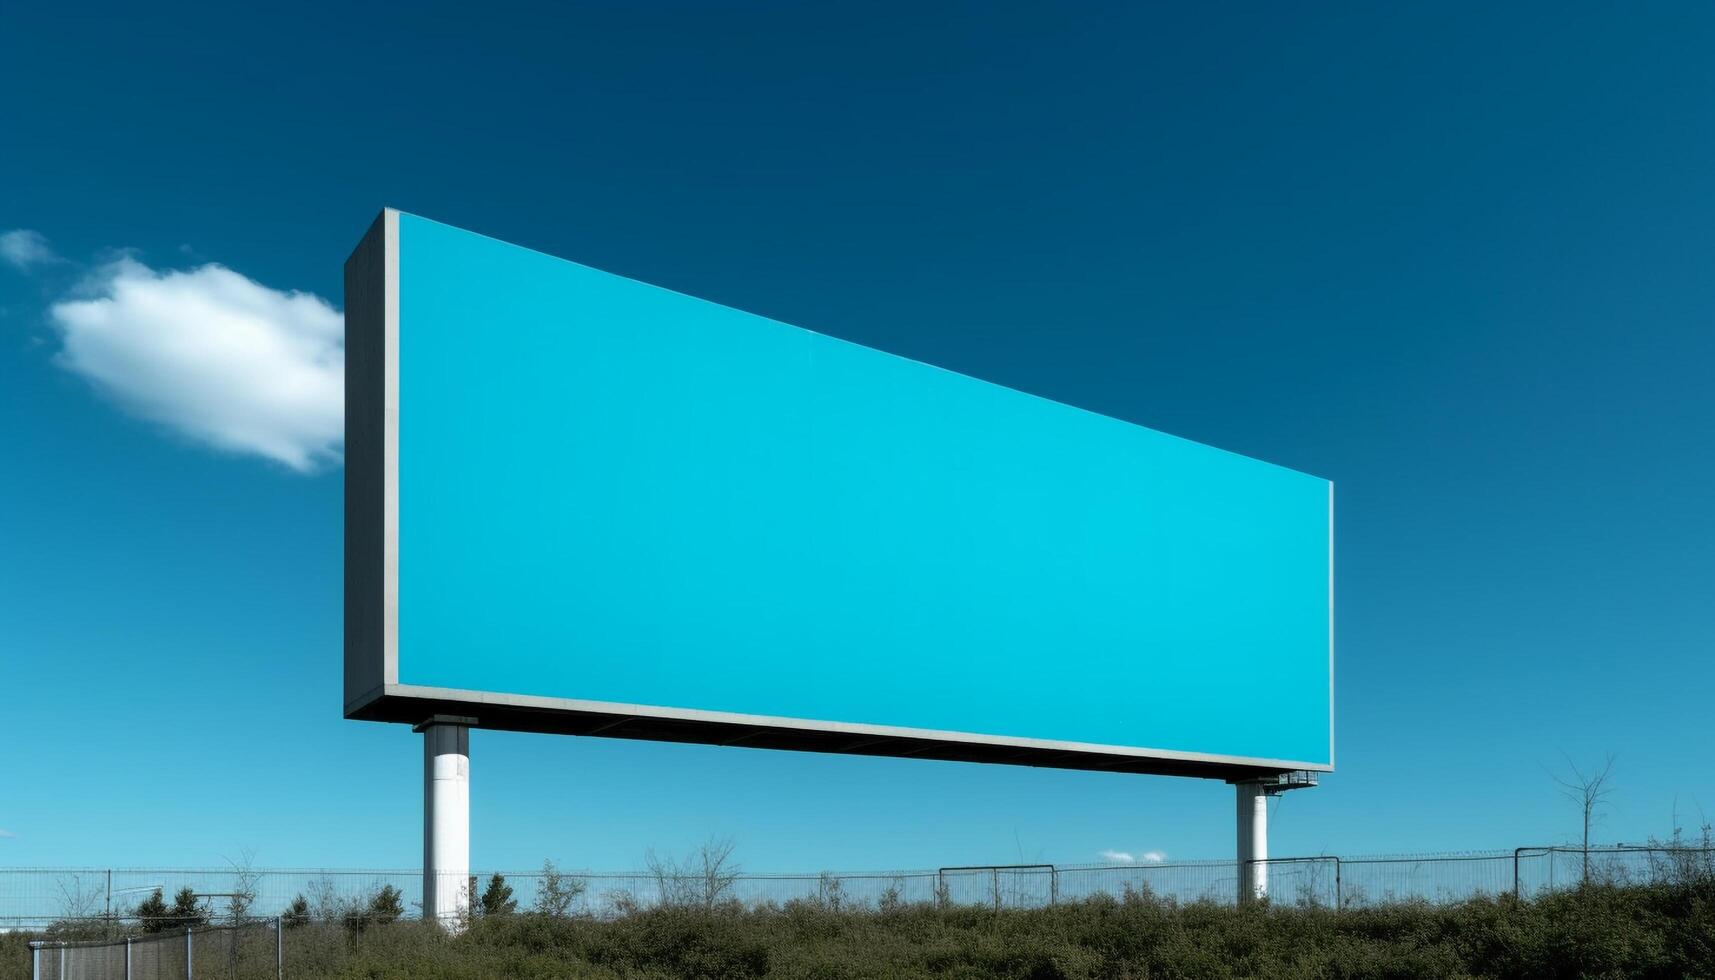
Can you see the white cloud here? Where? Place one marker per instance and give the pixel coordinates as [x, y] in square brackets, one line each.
[1127, 857]
[215, 356]
[22, 248]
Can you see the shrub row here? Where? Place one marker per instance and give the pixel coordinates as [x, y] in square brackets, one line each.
[1659, 931]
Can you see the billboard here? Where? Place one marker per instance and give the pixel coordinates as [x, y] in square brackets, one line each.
[577, 503]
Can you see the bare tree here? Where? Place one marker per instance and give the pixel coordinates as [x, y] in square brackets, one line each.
[1589, 791]
[893, 897]
[670, 878]
[556, 891]
[717, 871]
[326, 905]
[80, 902]
[245, 882]
[704, 877]
[831, 891]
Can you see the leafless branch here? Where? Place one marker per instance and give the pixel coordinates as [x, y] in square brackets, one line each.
[1589, 791]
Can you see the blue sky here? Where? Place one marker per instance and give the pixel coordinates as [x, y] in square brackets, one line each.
[1453, 257]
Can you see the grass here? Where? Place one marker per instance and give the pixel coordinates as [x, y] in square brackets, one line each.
[1645, 931]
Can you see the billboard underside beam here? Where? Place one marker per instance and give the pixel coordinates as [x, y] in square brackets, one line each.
[412, 710]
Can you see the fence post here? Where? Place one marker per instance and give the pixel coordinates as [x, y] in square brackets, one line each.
[1339, 898]
[1053, 886]
[62, 959]
[35, 960]
[189, 956]
[127, 958]
[1516, 851]
[279, 947]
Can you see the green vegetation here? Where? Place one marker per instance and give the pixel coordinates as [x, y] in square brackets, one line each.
[1597, 932]
[297, 913]
[555, 892]
[155, 915]
[383, 908]
[496, 898]
[1605, 931]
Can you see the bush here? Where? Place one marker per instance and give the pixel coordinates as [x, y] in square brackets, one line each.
[384, 906]
[296, 914]
[1654, 931]
[556, 892]
[387, 905]
[155, 915]
[152, 912]
[497, 897]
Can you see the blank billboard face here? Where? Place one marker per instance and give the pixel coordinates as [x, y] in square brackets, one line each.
[582, 504]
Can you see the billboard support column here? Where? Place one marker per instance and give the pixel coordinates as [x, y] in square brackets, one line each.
[1253, 797]
[446, 820]
[1253, 841]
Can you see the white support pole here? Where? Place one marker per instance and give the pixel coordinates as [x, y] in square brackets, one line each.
[1253, 841]
[446, 820]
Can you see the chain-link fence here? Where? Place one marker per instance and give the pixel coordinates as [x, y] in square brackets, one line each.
[252, 950]
[39, 897]
[62, 899]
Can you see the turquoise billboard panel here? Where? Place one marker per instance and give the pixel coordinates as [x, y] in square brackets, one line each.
[580, 503]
